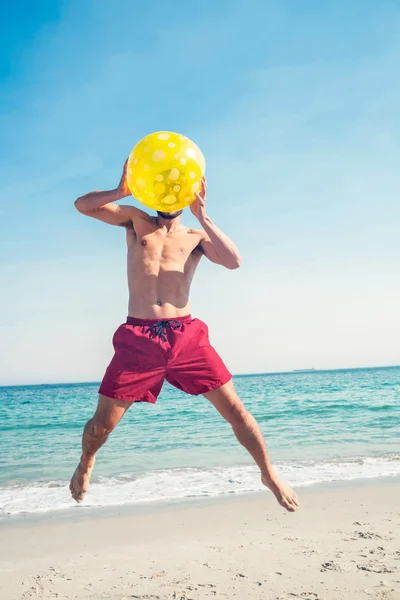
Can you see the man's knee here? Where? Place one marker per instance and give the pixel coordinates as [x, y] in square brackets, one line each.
[99, 426]
[238, 416]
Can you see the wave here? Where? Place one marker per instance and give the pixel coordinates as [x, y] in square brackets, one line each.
[178, 484]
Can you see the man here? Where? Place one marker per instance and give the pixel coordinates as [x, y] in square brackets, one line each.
[160, 340]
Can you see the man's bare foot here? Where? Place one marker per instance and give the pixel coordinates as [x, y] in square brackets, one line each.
[285, 496]
[80, 480]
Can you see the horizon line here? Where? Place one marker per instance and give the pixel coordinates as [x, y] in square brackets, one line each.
[237, 375]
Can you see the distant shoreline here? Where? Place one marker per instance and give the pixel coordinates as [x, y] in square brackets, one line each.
[235, 376]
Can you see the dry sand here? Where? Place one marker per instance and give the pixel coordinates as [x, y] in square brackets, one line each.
[343, 544]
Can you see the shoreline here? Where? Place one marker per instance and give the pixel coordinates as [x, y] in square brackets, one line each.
[83, 513]
[344, 543]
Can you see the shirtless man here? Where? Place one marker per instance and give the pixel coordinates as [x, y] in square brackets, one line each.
[160, 340]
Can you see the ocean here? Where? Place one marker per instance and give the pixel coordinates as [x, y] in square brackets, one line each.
[320, 426]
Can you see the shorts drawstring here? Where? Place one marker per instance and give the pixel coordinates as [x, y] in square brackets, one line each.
[159, 328]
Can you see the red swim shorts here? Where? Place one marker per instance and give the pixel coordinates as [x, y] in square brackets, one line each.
[148, 351]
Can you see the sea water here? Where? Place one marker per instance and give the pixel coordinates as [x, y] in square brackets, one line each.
[319, 427]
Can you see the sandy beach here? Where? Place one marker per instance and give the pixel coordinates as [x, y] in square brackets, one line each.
[344, 543]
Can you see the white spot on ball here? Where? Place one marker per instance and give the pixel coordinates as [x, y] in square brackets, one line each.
[176, 156]
[195, 187]
[174, 174]
[158, 155]
[141, 183]
[192, 175]
[147, 149]
[159, 177]
[171, 145]
[169, 199]
[190, 152]
[177, 188]
[182, 137]
[135, 161]
[163, 136]
[146, 168]
[183, 161]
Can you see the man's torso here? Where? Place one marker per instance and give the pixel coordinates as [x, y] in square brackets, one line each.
[161, 266]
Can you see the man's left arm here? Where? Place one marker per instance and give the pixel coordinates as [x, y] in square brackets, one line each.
[215, 245]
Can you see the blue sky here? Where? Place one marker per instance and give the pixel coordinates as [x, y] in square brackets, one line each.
[295, 106]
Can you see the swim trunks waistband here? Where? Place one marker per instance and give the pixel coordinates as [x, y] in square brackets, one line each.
[141, 322]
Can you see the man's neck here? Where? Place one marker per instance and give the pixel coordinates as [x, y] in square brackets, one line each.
[171, 225]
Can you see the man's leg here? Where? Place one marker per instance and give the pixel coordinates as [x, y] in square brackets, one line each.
[108, 414]
[248, 433]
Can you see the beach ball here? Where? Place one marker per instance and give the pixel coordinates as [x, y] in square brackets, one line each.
[164, 171]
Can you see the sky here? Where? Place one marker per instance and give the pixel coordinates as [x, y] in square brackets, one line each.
[295, 106]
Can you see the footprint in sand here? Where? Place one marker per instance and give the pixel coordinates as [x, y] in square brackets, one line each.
[240, 576]
[367, 535]
[330, 566]
[147, 597]
[160, 574]
[374, 567]
[303, 595]
[379, 550]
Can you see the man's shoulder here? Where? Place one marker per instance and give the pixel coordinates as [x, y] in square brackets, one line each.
[141, 221]
[196, 237]
[196, 232]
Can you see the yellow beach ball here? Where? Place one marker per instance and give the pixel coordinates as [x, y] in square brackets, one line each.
[164, 171]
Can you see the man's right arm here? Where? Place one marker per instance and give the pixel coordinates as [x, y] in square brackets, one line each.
[100, 205]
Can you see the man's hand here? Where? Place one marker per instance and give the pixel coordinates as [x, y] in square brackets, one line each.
[123, 189]
[198, 207]
[216, 246]
[100, 205]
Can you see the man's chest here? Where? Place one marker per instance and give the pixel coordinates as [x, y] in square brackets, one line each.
[157, 246]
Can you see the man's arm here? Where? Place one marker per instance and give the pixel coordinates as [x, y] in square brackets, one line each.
[99, 205]
[215, 245]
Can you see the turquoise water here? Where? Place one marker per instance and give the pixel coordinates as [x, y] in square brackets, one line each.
[319, 426]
